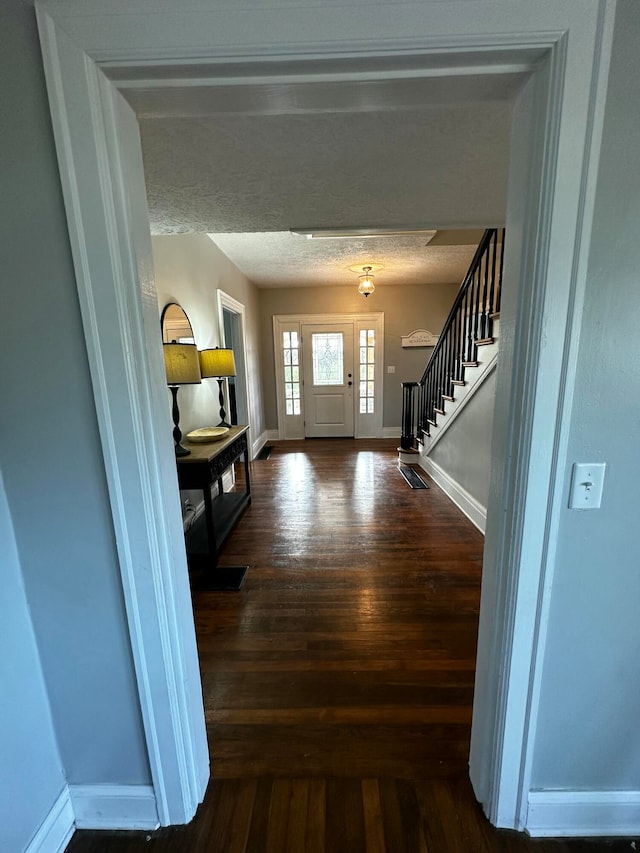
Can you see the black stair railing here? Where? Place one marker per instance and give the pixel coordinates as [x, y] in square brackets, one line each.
[469, 325]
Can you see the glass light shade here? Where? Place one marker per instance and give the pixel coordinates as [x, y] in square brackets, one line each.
[181, 364]
[366, 285]
[217, 362]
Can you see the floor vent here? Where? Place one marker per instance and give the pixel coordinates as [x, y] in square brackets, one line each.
[412, 477]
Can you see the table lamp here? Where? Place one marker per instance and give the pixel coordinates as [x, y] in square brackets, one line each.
[218, 363]
[182, 367]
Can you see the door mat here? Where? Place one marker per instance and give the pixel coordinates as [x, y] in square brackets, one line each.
[265, 453]
[412, 477]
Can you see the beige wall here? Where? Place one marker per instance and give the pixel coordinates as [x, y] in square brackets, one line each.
[405, 308]
[189, 269]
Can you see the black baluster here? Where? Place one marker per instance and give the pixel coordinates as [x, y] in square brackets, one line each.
[484, 321]
[492, 290]
[499, 277]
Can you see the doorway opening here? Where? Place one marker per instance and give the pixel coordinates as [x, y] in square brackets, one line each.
[231, 317]
[329, 375]
[100, 160]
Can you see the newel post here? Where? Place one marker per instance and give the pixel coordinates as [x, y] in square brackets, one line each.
[408, 437]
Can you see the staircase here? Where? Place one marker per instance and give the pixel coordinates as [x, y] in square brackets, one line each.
[461, 364]
[475, 375]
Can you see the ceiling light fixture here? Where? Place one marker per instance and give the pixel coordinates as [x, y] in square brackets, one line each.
[366, 285]
[355, 233]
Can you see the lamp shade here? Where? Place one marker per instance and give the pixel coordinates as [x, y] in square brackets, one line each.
[217, 362]
[181, 364]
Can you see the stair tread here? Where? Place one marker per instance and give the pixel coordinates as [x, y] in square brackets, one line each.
[470, 363]
[460, 382]
[483, 342]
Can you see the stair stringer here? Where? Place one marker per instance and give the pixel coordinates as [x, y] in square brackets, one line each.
[474, 378]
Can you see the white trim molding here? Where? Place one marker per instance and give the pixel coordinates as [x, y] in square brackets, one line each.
[57, 828]
[566, 813]
[114, 806]
[260, 442]
[475, 512]
[391, 432]
[225, 301]
[102, 178]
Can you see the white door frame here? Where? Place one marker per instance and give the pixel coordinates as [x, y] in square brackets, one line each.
[231, 304]
[89, 54]
[292, 426]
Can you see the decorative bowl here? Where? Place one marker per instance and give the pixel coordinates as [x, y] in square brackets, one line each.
[207, 434]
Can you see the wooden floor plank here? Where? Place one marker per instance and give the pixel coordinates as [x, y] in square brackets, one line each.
[316, 817]
[373, 822]
[338, 682]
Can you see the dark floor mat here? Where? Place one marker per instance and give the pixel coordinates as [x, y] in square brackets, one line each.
[265, 453]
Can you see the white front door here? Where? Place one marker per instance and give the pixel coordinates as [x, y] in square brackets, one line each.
[328, 379]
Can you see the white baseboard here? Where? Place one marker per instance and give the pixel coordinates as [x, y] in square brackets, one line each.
[391, 432]
[114, 806]
[56, 829]
[260, 442]
[273, 435]
[475, 512]
[583, 813]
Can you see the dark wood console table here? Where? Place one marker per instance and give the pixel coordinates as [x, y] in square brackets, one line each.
[203, 468]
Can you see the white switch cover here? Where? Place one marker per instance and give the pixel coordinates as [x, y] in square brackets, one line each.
[586, 485]
[391, 368]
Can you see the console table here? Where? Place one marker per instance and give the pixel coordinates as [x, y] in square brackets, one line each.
[203, 468]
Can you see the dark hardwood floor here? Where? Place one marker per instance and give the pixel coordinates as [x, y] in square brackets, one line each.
[338, 682]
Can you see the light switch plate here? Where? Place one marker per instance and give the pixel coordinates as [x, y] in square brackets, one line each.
[391, 368]
[586, 485]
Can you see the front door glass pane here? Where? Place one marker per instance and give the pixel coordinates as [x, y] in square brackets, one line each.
[327, 354]
[367, 371]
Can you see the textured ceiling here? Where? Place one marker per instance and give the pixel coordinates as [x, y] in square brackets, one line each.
[247, 178]
[281, 259]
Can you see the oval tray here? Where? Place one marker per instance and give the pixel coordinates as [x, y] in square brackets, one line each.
[206, 434]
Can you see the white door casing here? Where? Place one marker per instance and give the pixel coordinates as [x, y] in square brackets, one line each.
[564, 46]
[226, 302]
[291, 424]
[328, 408]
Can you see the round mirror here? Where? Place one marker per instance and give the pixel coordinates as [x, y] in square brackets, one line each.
[176, 327]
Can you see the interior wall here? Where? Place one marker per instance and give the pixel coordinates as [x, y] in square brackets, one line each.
[27, 741]
[50, 452]
[464, 451]
[405, 308]
[189, 269]
[587, 728]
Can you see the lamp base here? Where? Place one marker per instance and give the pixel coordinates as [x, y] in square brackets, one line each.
[223, 423]
[181, 451]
